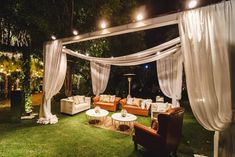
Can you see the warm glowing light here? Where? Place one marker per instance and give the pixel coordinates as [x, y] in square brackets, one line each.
[53, 37]
[103, 24]
[139, 17]
[87, 54]
[75, 32]
[64, 47]
[192, 4]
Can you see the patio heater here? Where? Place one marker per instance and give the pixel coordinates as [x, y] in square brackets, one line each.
[129, 78]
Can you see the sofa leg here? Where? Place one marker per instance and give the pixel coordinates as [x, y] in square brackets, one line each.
[136, 146]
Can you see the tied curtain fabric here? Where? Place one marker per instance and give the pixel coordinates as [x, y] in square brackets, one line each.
[206, 40]
[169, 72]
[99, 76]
[55, 64]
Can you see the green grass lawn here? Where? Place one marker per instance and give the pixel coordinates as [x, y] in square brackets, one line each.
[72, 136]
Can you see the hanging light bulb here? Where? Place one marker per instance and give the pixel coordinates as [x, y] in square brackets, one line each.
[103, 24]
[75, 32]
[192, 4]
[139, 17]
[53, 37]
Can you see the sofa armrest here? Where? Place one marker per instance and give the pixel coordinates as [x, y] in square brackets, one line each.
[65, 104]
[96, 98]
[67, 100]
[139, 128]
[123, 102]
[88, 100]
[117, 99]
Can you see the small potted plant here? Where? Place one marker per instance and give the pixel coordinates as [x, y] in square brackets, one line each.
[97, 109]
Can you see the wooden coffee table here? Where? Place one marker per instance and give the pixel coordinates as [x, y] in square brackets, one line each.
[94, 117]
[123, 123]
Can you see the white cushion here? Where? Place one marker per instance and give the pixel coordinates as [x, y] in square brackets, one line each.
[162, 107]
[129, 101]
[112, 98]
[70, 98]
[81, 99]
[142, 105]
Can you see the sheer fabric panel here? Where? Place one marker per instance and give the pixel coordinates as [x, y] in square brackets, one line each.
[55, 65]
[99, 76]
[205, 38]
[169, 72]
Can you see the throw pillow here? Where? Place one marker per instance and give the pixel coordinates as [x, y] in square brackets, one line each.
[162, 107]
[76, 100]
[129, 101]
[106, 98]
[148, 103]
[136, 102]
[70, 98]
[112, 98]
[102, 98]
[143, 104]
[81, 99]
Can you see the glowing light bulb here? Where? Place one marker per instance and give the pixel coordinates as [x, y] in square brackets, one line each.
[53, 37]
[192, 4]
[139, 17]
[75, 32]
[87, 54]
[103, 24]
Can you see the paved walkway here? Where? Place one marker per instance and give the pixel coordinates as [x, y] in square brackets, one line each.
[36, 101]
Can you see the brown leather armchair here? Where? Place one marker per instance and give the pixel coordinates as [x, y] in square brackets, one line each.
[166, 138]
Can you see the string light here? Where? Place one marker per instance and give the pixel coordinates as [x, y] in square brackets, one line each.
[75, 32]
[103, 24]
[139, 17]
[53, 37]
[192, 4]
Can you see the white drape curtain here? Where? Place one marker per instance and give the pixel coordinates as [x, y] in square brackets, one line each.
[99, 76]
[169, 72]
[55, 65]
[205, 35]
[142, 57]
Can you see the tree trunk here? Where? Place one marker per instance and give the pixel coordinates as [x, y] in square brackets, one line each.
[26, 81]
[6, 86]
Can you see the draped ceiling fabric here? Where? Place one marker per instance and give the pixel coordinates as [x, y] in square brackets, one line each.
[55, 65]
[206, 38]
[141, 57]
[169, 72]
[99, 77]
[100, 67]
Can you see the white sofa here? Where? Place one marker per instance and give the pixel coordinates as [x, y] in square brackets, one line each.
[75, 104]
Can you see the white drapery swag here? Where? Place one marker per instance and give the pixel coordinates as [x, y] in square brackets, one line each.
[141, 57]
[99, 76]
[55, 65]
[169, 72]
[205, 37]
[100, 67]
